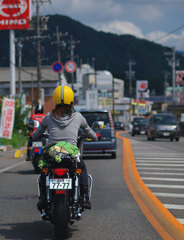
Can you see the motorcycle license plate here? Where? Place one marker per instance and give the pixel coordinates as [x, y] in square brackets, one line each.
[166, 134]
[37, 144]
[64, 183]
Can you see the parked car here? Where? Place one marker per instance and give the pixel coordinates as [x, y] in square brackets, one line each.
[107, 143]
[163, 126]
[119, 125]
[139, 126]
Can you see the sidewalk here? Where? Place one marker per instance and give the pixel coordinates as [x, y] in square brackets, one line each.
[13, 153]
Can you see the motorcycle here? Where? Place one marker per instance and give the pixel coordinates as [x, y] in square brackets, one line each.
[36, 149]
[64, 202]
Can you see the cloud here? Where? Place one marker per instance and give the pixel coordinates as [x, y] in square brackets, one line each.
[87, 11]
[140, 18]
[149, 13]
[160, 37]
[120, 27]
[165, 39]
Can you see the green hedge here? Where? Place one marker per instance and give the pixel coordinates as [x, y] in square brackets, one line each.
[19, 124]
[15, 141]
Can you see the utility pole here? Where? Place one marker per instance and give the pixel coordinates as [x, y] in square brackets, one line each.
[130, 74]
[38, 50]
[38, 42]
[166, 74]
[20, 46]
[173, 63]
[94, 67]
[12, 63]
[58, 42]
[113, 98]
[73, 43]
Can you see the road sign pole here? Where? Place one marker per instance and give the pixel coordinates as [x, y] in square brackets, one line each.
[58, 68]
[12, 62]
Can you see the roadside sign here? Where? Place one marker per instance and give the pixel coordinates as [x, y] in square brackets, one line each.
[14, 14]
[142, 85]
[57, 66]
[7, 118]
[70, 66]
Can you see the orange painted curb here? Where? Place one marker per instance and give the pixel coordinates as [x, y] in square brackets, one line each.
[161, 219]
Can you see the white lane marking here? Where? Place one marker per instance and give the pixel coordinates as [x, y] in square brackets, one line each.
[181, 220]
[165, 186]
[170, 195]
[174, 206]
[159, 158]
[12, 166]
[164, 179]
[170, 155]
[160, 173]
[162, 168]
[157, 161]
[169, 165]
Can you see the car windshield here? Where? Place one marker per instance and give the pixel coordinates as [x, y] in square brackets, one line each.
[142, 121]
[92, 117]
[165, 120]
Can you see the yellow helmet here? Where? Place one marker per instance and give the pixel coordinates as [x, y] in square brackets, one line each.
[63, 95]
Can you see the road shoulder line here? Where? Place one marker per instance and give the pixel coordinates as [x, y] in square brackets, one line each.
[161, 219]
[12, 166]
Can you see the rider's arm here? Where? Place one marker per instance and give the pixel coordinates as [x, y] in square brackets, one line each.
[41, 129]
[87, 130]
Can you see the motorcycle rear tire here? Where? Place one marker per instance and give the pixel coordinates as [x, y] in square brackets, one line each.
[35, 162]
[61, 216]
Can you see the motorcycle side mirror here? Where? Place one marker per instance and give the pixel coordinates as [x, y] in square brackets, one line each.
[31, 123]
[45, 135]
[98, 125]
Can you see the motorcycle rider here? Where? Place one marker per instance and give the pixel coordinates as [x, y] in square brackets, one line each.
[37, 116]
[63, 124]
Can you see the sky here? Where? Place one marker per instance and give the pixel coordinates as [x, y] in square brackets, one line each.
[160, 21]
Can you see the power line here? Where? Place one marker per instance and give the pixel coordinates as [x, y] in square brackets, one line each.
[173, 31]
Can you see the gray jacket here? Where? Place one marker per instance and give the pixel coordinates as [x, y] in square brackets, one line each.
[64, 128]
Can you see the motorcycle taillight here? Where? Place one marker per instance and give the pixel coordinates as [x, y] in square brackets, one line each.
[38, 150]
[60, 192]
[60, 171]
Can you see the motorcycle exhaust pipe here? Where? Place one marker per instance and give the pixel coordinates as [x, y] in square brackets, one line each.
[76, 188]
[90, 185]
[38, 186]
[47, 188]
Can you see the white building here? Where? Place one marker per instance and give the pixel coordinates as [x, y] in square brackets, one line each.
[94, 89]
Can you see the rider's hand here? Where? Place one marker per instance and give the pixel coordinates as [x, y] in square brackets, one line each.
[98, 135]
[30, 137]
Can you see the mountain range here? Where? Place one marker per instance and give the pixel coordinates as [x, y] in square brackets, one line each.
[106, 51]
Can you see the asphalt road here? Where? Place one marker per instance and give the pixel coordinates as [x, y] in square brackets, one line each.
[114, 215]
[161, 167]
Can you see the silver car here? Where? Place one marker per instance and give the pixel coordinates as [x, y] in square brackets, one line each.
[163, 126]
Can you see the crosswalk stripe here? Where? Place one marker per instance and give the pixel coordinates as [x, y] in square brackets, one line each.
[170, 195]
[181, 220]
[161, 168]
[164, 179]
[174, 206]
[169, 155]
[165, 186]
[158, 158]
[152, 164]
[157, 161]
[161, 173]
